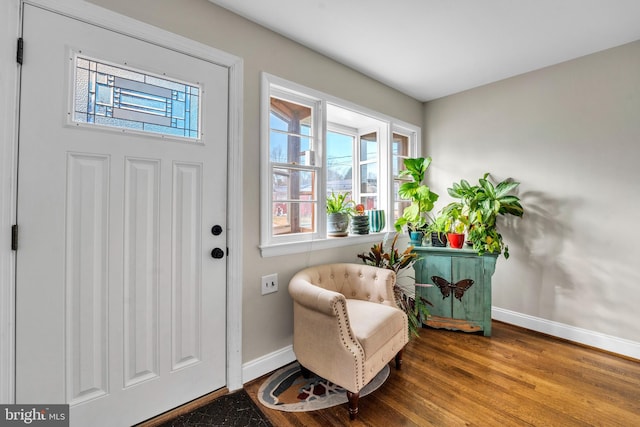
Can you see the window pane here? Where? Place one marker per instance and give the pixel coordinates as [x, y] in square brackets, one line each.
[399, 204]
[290, 137]
[369, 147]
[293, 217]
[369, 178]
[290, 214]
[290, 149]
[369, 202]
[290, 117]
[400, 152]
[120, 97]
[339, 162]
[293, 184]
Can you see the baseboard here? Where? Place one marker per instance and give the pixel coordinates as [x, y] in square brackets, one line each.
[267, 363]
[605, 342]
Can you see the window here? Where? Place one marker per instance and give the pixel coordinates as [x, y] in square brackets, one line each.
[124, 98]
[292, 139]
[313, 144]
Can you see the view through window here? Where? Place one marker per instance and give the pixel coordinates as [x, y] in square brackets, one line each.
[315, 144]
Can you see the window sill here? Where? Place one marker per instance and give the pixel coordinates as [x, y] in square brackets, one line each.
[320, 244]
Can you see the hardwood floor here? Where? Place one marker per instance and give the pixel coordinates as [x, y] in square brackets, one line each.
[515, 377]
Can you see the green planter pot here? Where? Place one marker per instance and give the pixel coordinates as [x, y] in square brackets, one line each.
[376, 220]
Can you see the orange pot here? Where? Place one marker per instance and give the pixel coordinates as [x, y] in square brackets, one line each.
[456, 240]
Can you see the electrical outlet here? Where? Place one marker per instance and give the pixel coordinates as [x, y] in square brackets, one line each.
[269, 284]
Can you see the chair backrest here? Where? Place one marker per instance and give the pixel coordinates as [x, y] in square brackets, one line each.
[354, 281]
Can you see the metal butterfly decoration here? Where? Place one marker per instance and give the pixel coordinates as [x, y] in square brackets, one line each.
[459, 288]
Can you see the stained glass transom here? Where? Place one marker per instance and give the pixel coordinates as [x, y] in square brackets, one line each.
[118, 97]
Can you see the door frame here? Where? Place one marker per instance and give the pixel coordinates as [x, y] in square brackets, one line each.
[9, 118]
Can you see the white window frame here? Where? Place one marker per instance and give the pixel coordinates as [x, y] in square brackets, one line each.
[413, 135]
[295, 243]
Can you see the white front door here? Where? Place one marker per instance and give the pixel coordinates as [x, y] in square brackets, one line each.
[120, 304]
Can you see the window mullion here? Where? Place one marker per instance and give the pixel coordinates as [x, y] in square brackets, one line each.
[321, 176]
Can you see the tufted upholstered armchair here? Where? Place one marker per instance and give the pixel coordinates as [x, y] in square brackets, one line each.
[346, 324]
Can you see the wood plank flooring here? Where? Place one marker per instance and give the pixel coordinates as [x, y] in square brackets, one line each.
[515, 377]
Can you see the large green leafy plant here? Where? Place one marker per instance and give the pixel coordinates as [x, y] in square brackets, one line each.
[478, 207]
[392, 259]
[422, 198]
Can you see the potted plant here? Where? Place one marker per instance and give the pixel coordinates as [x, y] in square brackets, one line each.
[339, 208]
[478, 207]
[438, 229]
[415, 308]
[455, 224]
[414, 216]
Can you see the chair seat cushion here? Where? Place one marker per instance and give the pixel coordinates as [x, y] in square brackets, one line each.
[374, 324]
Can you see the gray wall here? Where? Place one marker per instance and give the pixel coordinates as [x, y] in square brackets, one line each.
[570, 134]
[267, 320]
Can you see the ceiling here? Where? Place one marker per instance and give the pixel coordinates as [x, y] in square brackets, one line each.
[432, 48]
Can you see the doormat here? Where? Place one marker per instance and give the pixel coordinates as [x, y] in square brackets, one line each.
[235, 409]
[287, 390]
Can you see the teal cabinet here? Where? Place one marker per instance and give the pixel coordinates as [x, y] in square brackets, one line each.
[458, 284]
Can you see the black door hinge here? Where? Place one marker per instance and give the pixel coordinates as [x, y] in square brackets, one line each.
[14, 237]
[20, 52]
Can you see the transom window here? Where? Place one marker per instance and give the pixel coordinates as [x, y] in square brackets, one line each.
[124, 98]
[314, 144]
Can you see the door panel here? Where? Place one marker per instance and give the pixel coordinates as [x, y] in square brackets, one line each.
[120, 307]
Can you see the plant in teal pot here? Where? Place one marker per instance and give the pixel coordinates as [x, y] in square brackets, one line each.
[415, 216]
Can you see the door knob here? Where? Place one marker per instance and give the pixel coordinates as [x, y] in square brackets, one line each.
[216, 230]
[217, 253]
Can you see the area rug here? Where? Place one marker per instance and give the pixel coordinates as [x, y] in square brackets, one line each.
[287, 390]
[231, 410]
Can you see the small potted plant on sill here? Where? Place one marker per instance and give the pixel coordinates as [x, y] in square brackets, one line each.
[339, 209]
[414, 216]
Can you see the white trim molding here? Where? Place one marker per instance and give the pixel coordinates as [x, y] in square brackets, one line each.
[9, 84]
[267, 363]
[572, 333]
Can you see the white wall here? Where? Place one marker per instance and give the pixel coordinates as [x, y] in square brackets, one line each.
[570, 134]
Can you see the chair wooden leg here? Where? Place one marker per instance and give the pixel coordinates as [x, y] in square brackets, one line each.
[353, 404]
[399, 360]
[306, 374]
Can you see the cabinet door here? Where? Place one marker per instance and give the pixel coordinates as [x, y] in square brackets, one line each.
[431, 266]
[471, 305]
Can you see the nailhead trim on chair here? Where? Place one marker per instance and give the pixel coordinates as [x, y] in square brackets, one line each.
[345, 319]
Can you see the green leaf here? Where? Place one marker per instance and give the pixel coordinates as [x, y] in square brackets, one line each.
[505, 187]
[408, 190]
[488, 188]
